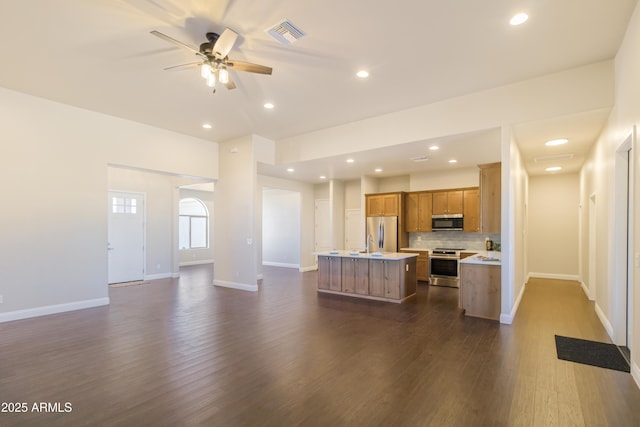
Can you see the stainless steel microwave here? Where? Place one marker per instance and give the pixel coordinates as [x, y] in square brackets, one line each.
[447, 222]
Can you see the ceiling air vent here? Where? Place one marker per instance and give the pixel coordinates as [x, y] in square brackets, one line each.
[553, 158]
[419, 159]
[285, 32]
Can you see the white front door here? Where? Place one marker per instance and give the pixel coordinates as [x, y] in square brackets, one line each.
[126, 237]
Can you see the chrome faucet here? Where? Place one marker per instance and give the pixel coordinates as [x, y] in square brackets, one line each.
[369, 241]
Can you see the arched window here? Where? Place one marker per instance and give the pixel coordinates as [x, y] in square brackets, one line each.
[193, 230]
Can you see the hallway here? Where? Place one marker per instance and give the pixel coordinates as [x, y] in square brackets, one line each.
[183, 352]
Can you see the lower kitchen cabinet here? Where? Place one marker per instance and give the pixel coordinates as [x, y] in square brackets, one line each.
[355, 276]
[422, 264]
[481, 290]
[329, 273]
[392, 280]
[384, 278]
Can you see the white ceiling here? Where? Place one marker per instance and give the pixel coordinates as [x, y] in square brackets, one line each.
[99, 55]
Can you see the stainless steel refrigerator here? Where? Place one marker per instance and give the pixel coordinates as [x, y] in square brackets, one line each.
[382, 233]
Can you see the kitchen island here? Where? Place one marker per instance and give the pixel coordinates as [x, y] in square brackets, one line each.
[388, 276]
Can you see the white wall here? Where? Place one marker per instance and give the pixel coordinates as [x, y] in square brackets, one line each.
[234, 231]
[598, 177]
[281, 227]
[553, 226]
[307, 215]
[352, 194]
[54, 168]
[443, 179]
[393, 184]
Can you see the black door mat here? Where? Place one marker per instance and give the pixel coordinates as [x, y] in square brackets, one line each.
[591, 353]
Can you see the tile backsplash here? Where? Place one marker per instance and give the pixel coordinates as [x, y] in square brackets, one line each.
[451, 239]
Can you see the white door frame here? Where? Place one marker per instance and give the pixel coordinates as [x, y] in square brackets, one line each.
[622, 316]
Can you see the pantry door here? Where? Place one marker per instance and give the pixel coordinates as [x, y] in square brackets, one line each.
[125, 246]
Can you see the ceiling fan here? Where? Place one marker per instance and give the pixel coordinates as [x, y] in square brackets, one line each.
[214, 60]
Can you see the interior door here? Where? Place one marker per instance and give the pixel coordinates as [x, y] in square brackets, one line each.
[126, 237]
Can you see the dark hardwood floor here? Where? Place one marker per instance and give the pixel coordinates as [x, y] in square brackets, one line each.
[183, 352]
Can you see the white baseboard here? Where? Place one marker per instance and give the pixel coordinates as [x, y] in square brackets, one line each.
[201, 262]
[508, 318]
[635, 373]
[52, 309]
[585, 289]
[605, 322]
[308, 268]
[280, 264]
[574, 277]
[234, 285]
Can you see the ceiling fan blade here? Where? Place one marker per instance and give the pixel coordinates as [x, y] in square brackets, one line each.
[182, 66]
[176, 42]
[225, 42]
[249, 67]
[230, 84]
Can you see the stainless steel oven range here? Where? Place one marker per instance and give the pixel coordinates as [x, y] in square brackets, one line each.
[444, 267]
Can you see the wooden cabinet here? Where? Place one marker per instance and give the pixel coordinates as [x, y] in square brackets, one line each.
[418, 206]
[329, 273]
[480, 290]
[387, 204]
[447, 202]
[384, 278]
[471, 210]
[355, 276]
[490, 198]
[422, 264]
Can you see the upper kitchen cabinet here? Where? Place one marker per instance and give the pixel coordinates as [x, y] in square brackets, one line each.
[471, 210]
[418, 207]
[490, 197]
[447, 202]
[385, 204]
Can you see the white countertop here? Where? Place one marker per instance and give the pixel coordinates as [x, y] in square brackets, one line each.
[371, 255]
[484, 258]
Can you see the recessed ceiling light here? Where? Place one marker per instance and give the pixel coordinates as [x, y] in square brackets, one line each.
[323, 177]
[290, 170]
[207, 126]
[453, 161]
[362, 74]
[553, 169]
[378, 170]
[519, 18]
[269, 106]
[350, 160]
[434, 147]
[556, 142]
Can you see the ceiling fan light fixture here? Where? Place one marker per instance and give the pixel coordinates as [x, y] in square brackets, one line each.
[223, 76]
[211, 80]
[205, 70]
